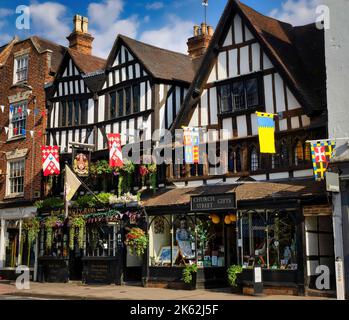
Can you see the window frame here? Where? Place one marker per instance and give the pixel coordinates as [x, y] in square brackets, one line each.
[22, 118]
[232, 110]
[8, 177]
[17, 70]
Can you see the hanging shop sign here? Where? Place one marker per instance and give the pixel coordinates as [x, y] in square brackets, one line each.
[213, 202]
[81, 164]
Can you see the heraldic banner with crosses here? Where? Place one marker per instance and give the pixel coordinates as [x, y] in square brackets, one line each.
[321, 152]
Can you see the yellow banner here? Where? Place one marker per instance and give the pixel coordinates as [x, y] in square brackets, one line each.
[266, 132]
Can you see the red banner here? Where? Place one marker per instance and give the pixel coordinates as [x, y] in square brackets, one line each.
[50, 160]
[115, 151]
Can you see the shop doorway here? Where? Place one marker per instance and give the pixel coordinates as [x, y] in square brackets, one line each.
[75, 263]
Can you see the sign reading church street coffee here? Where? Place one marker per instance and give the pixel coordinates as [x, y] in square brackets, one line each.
[213, 202]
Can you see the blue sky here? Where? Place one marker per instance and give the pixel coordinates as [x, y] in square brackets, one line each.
[165, 23]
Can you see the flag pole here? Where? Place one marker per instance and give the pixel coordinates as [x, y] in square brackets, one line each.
[87, 188]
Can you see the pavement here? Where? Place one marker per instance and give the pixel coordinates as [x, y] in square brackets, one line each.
[78, 291]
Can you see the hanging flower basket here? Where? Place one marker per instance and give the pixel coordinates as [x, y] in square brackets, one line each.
[137, 241]
[77, 230]
[51, 223]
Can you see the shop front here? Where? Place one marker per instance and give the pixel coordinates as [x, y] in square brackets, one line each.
[87, 247]
[15, 247]
[265, 229]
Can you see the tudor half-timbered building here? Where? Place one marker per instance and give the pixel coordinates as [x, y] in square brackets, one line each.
[282, 218]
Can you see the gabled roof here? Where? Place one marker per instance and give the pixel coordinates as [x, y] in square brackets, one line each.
[58, 51]
[5, 50]
[87, 63]
[91, 69]
[297, 53]
[160, 63]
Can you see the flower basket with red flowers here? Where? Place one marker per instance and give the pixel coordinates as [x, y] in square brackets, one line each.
[137, 241]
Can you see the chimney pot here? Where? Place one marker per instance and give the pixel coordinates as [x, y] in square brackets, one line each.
[77, 23]
[210, 30]
[203, 29]
[196, 30]
[84, 24]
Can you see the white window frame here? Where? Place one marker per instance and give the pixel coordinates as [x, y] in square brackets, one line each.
[21, 64]
[8, 178]
[24, 106]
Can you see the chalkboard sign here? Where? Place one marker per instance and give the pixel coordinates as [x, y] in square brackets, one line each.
[55, 270]
[99, 270]
[213, 202]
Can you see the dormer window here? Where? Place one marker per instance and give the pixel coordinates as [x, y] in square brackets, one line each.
[21, 69]
[238, 95]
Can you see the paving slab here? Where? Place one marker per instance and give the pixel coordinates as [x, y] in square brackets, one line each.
[78, 291]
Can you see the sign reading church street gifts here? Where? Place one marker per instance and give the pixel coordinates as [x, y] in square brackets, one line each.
[213, 202]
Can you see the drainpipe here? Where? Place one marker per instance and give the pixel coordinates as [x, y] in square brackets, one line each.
[2, 243]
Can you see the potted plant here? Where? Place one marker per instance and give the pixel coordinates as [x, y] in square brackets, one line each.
[189, 276]
[137, 241]
[234, 280]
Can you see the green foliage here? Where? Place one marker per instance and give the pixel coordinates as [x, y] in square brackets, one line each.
[50, 203]
[90, 201]
[233, 272]
[77, 229]
[32, 229]
[99, 168]
[187, 274]
[153, 181]
[51, 222]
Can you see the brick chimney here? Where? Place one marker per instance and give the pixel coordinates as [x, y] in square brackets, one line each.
[80, 39]
[198, 44]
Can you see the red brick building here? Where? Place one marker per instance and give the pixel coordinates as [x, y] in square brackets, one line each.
[25, 67]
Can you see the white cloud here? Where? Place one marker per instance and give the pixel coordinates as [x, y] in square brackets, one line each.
[106, 24]
[297, 12]
[105, 13]
[173, 36]
[49, 19]
[4, 12]
[154, 5]
[104, 39]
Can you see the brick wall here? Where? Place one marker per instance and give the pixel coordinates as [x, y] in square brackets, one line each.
[38, 73]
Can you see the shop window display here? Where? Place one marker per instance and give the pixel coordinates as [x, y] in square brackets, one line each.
[268, 240]
[179, 240]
